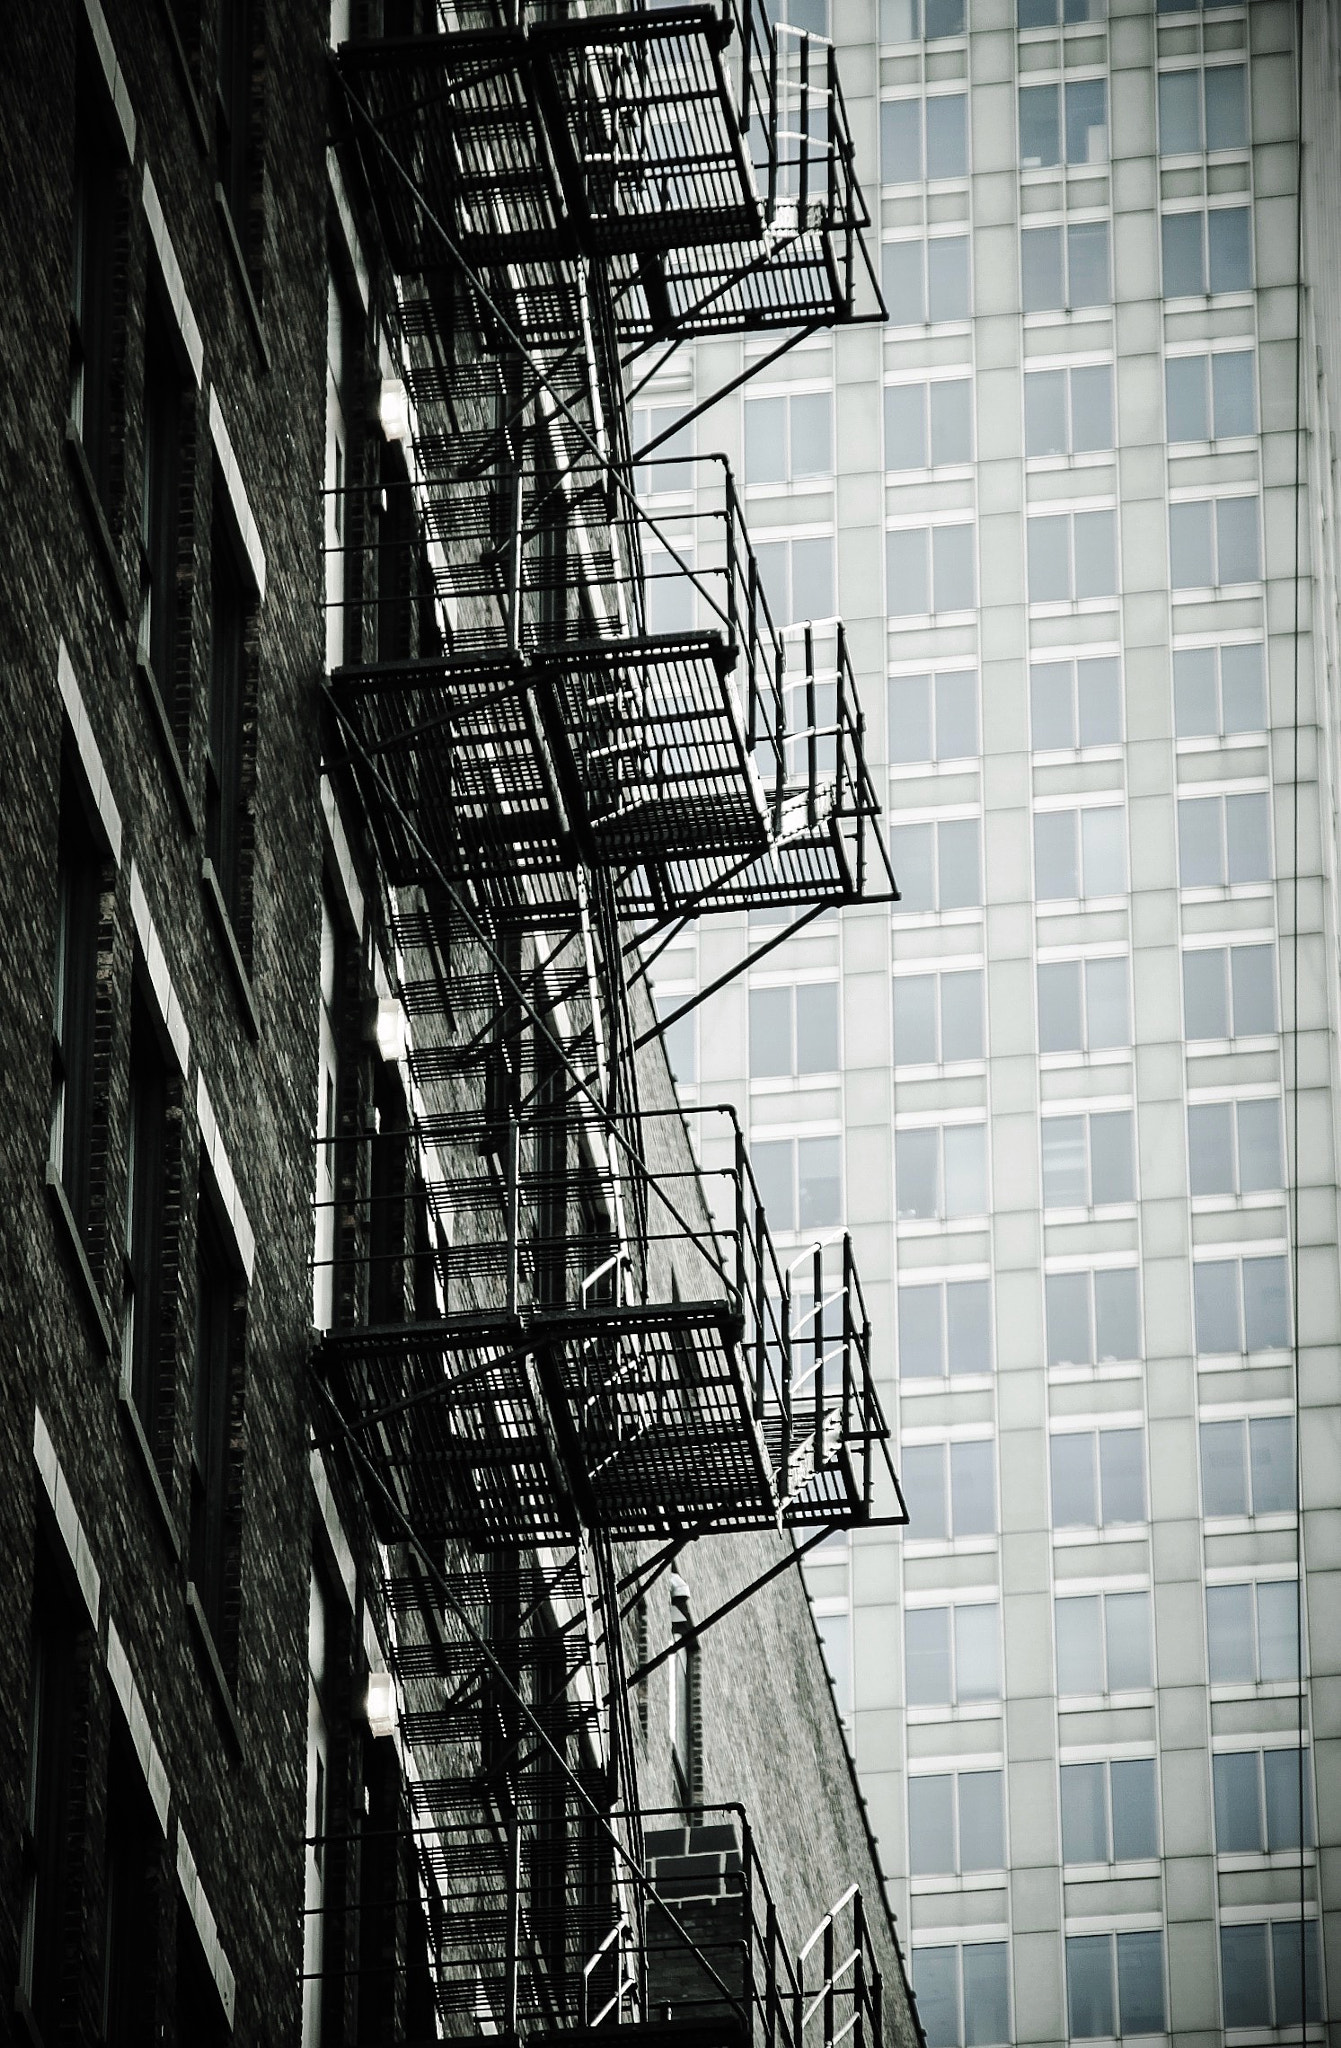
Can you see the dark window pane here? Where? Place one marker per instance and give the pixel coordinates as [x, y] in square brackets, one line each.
[1233, 394]
[1087, 121]
[1266, 1304]
[1238, 1818]
[1244, 1976]
[1229, 248]
[1205, 996]
[936, 1983]
[921, 1333]
[1185, 399]
[1040, 135]
[1216, 1303]
[1087, 264]
[1117, 1314]
[968, 1326]
[986, 1994]
[931, 1827]
[1135, 1810]
[1089, 1986]
[1226, 107]
[1184, 256]
[1287, 1969]
[1084, 1814]
[1243, 687]
[1041, 269]
[1179, 112]
[948, 277]
[1122, 1475]
[1224, 1478]
[1286, 1785]
[1140, 1979]
[982, 1842]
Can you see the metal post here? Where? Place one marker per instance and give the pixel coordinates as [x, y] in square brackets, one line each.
[803, 124]
[828, 1983]
[859, 1972]
[847, 1335]
[786, 1335]
[812, 737]
[514, 1220]
[514, 1921]
[771, 1978]
[741, 1171]
[760, 1315]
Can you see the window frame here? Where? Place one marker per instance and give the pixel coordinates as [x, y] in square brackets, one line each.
[945, 1376]
[1203, 793]
[795, 1075]
[900, 681]
[806, 481]
[938, 972]
[1095, 1366]
[1066, 262]
[1070, 602]
[966, 815]
[1128, 1864]
[1235, 1256]
[1097, 749]
[927, 316]
[937, 1880]
[940, 1219]
[1086, 1114]
[1207, 289]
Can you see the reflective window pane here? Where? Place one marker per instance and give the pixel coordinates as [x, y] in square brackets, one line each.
[819, 1175]
[1080, 1660]
[950, 416]
[973, 1489]
[1106, 1004]
[1091, 408]
[953, 571]
[1277, 1629]
[923, 1478]
[916, 1173]
[908, 570]
[1074, 1493]
[961, 1015]
[1238, 1819]
[947, 135]
[1191, 557]
[765, 440]
[1243, 687]
[1103, 845]
[1087, 264]
[1271, 1464]
[1140, 1982]
[912, 851]
[1196, 708]
[968, 1326]
[1084, 1814]
[931, 1826]
[1216, 1306]
[1067, 1298]
[959, 881]
[1205, 994]
[901, 141]
[1089, 1986]
[1266, 1304]
[1041, 269]
[982, 1841]
[1045, 412]
[1052, 704]
[1095, 542]
[772, 1162]
[1040, 127]
[811, 434]
[1229, 1634]
[1244, 1976]
[1099, 694]
[977, 1661]
[1200, 853]
[1185, 399]
[910, 722]
[948, 277]
[1238, 541]
[1229, 249]
[956, 702]
[1224, 1475]
[812, 579]
[1122, 1476]
[817, 1027]
[914, 1019]
[1182, 237]
[1117, 1314]
[1111, 1173]
[1127, 1625]
[1233, 394]
[921, 1333]
[1248, 838]
[1210, 1148]
[1056, 855]
[986, 1994]
[1252, 980]
[1259, 1146]
[903, 280]
[1286, 1972]
[1087, 121]
[1135, 1810]
[905, 426]
[965, 1169]
[926, 1638]
[1065, 1180]
[770, 1031]
[1226, 107]
[1179, 112]
[936, 1983]
[1286, 1788]
[1060, 1024]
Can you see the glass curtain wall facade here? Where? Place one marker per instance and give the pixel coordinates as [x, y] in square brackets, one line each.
[1053, 1092]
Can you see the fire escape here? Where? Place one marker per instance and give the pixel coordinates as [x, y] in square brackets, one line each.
[565, 724]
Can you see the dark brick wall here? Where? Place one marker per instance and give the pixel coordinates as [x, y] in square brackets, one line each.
[240, 1800]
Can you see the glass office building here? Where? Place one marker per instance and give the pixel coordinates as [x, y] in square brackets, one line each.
[1075, 1096]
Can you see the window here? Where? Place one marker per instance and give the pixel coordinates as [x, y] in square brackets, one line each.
[1261, 1796]
[48, 1836]
[963, 1994]
[1114, 1984]
[680, 1038]
[788, 437]
[670, 468]
[1234, 1148]
[798, 578]
[1207, 252]
[810, 15]
[1203, 110]
[1218, 690]
[146, 1376]
[230, 605]
[945, 1327]
[924, 139]
[800, 1181]
[937, 864]
[78, 887]
[1241, 1305]
[1094, 1318]
[1076, 703]
[1087, 1160]
[1214, 541]
[934, 717]
[794, 1030]
[1083, 1005]
[1110, 1812]
[219, 1311]
[1072, 556]
[1068, 412]
[1224, 840]
[952, 1654]
[97, 178]
[1080, 853]
[134, 1851]
[1229, 991]
[1098, 1478]
[929, 426]
[950, 1489]
[938, 1017]
[1192, 6]
[915, 21]
[956, 1823]
[930, 569]
[1065, 269]
[1252, 1632]
[1211, 398]
[1263, 1966]
[1103, 1643]
[162, 502]
[940, 1172]
[926, 282]
[1247, 1466]
[1064, 123]
[1048, 13]
[232, 107]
